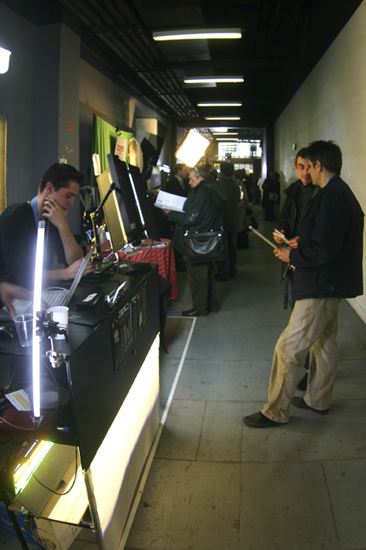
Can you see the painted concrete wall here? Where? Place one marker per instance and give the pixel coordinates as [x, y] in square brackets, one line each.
[331, 104]
[101, 96]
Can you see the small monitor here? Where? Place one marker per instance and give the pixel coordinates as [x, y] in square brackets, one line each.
[112, 212]
[147, 208]
[128, 201]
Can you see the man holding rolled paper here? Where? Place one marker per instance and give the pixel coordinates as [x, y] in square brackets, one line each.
[328, 267]
[298, 196]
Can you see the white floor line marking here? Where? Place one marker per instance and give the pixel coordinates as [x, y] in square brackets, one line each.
[181, 363]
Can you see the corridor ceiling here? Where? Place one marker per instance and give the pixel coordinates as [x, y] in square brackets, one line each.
[281, 42]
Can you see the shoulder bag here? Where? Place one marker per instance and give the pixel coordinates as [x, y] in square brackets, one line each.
[208, 246]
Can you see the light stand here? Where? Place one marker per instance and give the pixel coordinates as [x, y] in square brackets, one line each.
[96, 218]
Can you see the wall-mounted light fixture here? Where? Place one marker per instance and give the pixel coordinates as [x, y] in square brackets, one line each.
[197, 34]
[4, 60]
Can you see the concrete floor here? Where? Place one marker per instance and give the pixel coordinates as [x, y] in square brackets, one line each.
[215, 484]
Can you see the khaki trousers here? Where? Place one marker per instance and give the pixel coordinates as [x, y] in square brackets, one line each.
[313, 326]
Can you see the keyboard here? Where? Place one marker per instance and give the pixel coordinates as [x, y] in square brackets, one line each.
[54, 297]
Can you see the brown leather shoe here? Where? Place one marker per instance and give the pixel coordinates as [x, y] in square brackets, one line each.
[258, 420]
[193, 313]
[301, 404]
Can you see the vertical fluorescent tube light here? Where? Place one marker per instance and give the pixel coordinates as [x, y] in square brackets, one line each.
[36, 339]
[4, 60]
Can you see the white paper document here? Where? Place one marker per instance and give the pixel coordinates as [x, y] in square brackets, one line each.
[170, 201]
[20, 400]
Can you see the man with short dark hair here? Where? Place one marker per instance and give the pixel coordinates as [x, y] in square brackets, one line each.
[298, 196]
[177, 182]
[18, 230]
[328, 267]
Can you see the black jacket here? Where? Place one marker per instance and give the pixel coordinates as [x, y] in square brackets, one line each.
[230, 211]
[202, 212]
[173, 186]
[328, 260]
[287, 217]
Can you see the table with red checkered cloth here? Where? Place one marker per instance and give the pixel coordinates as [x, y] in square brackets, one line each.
[163, 256]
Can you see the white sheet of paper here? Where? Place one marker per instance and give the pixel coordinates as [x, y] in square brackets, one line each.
[170, 201]
[20, 400]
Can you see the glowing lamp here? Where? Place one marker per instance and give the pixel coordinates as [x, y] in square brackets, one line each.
[192, 148]
[197, 34]
[4, 60]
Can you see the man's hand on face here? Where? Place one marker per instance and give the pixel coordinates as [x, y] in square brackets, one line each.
[53, 212]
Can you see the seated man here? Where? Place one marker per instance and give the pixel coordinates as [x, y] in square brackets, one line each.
[18, 230]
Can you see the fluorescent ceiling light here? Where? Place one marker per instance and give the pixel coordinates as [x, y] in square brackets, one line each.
[225, 133]
[227, 139]
[192, 148]
[4, 60]
[219, 104]
[218, 128]
[197, 34]
[217, 79]
[222, 117]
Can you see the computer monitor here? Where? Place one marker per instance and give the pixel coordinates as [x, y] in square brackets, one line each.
[147, 207]
[112, 212]
[129, 204]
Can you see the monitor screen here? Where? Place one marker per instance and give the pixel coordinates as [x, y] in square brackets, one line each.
[147, 207]
[112, 212]
[128, 201]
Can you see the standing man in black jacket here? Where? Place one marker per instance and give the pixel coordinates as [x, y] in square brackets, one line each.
[328, 267]
[298, 196]
[202, 212]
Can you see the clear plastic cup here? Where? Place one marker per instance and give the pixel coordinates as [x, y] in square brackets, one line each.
[24, 328]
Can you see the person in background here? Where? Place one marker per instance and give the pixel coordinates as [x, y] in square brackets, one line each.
[245, 219]
[177, 182]
[328, 267]
[18, 231]
[271, 195]
[178, 185]
[298, 196]
[229, 220]
[202, 212]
